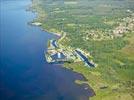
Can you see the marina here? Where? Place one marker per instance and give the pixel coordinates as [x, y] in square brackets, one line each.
[56, 54]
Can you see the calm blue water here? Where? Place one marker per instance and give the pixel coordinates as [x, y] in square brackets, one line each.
[54, 43]
[24, 73]
[85, 59]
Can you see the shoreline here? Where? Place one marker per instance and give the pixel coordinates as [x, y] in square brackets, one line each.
[33, 10]
[88, 87]
[102, 86]
[45, 30]
[30, 23]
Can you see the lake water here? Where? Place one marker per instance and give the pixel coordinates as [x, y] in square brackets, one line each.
[24, 73]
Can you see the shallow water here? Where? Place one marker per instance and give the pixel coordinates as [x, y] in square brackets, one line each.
[24, 73]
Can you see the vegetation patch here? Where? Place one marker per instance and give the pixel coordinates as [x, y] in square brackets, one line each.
[103, 28]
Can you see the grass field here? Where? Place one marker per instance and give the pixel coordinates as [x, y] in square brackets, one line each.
[93, 26]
